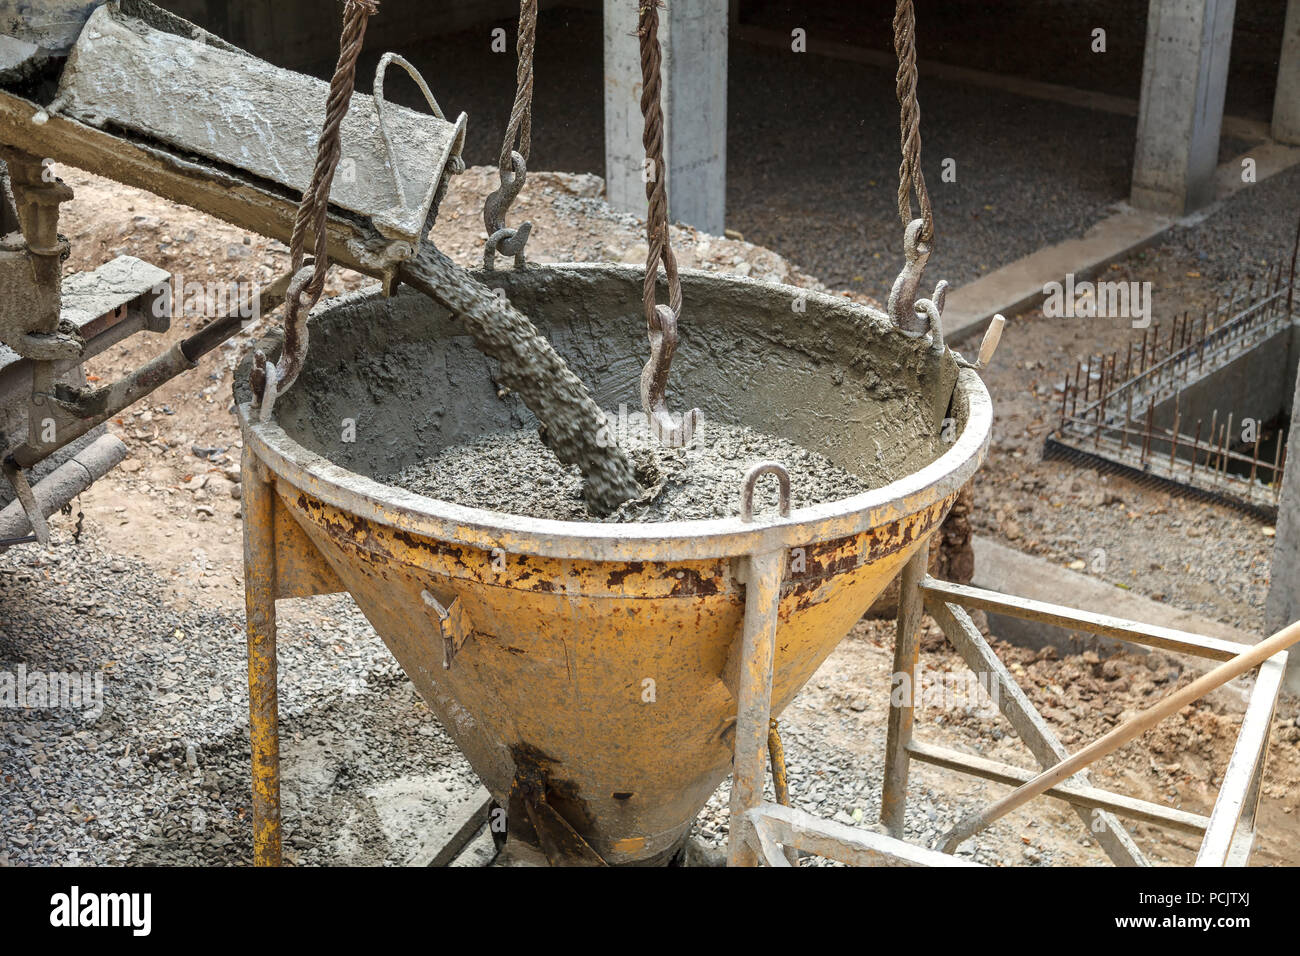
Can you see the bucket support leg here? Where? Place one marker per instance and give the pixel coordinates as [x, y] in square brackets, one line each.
[263, 703]
[761, 574]
[907, 642]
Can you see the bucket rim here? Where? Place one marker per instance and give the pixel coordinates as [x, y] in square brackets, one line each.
[406, 511]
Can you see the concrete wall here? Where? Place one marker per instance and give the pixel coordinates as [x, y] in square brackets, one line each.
[1257, 384]
[299, 34]
[1283, 603]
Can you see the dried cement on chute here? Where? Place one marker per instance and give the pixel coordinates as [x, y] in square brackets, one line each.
[515, 473]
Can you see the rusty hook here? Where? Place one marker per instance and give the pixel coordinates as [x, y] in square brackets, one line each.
[502, 239]
[654, 382]
[902, 297]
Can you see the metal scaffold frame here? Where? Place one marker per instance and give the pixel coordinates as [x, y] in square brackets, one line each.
[766, 833]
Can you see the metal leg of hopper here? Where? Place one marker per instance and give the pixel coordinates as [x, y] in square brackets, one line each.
[893, 800]
[263, 704]
[780, 779]
[762, 574]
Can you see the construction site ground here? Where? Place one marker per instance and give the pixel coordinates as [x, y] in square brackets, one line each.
[151, 594]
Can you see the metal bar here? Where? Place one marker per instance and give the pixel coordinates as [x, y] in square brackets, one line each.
[1160, 372]
[92, 409]
[1277, 459]
[851, 845]
[761, 574]
[1227, 446]
[1102, 826]
[1092, 798]
[1196, 447]
[1205, 323]
[1128, 731]
[765, 844]
[1214, 450]
[1245, 766]
[1214, 438]
[1135, 632]
[1065, 397]
[27, 501]
[1173, 435]
[1128, 419]
[257, 503]
[907, 643]
[1101, 407]
[1146, 443]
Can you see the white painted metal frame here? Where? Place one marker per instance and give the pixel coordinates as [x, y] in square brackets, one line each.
[761, 831]
[1228, 834]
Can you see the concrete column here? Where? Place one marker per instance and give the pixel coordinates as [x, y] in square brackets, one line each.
[1286, 101]
[1283, 603]
[1184, 75]
[693, 34]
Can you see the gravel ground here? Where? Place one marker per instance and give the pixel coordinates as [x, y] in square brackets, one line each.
[161, 776]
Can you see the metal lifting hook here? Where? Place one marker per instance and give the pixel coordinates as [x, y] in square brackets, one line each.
[502, 239]
[931, 310]
[654, 382]
[902, 297]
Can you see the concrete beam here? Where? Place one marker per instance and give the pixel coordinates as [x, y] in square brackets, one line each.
[1001, 568]
[1180, 117]
[1286, 101]
[693, 34]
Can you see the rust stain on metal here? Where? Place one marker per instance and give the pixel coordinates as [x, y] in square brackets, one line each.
[690, 583]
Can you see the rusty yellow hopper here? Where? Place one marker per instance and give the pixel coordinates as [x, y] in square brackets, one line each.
[590, 672]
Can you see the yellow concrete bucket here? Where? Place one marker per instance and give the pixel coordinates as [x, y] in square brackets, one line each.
[589, 671]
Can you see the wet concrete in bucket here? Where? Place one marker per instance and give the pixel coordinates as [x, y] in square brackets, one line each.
[515, 473]
[530, 366]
